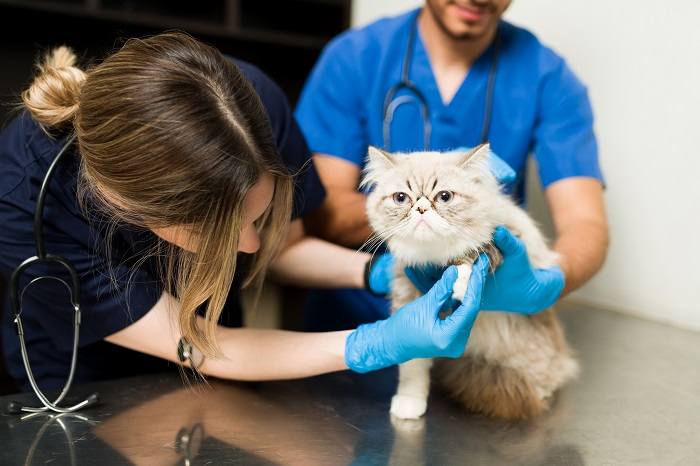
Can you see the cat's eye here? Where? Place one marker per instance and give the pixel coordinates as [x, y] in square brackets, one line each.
[400, 198]
[444, 197]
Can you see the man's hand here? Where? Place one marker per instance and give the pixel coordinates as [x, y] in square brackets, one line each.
[515, 286]
[379, 274]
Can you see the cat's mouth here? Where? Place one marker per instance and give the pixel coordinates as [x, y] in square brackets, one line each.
[422, 223]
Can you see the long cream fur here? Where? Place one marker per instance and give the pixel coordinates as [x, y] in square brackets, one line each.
[513, 364]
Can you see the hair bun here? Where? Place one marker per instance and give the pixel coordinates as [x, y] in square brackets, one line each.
[54, 96]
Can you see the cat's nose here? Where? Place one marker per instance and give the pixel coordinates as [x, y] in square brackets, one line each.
[422, 205]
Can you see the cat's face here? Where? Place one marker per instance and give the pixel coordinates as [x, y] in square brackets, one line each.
[431, 207]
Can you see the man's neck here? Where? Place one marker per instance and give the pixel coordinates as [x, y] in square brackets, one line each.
[445, 51]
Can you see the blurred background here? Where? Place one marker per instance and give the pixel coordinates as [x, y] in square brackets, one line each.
[640, 60]
[283, 37]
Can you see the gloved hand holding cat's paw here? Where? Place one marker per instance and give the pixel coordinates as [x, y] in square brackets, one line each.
[516, 286]
[416, 330]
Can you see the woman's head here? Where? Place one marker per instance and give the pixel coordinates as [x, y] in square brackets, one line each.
[173, 138]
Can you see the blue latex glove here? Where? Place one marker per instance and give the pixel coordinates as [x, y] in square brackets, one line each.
[379, 273]
[416, 330]
[500, 169]
[515, 286]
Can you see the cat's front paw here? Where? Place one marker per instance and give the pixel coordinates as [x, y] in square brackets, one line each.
[464, 271]
[408, 407]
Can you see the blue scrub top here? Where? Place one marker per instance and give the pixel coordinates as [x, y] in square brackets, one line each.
[107, 306]
[539, 106]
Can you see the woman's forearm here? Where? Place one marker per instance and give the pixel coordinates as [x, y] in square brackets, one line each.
[257, 354]
[246, 354]
[312, 262]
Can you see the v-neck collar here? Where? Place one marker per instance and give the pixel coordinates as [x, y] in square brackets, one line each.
[473, 85]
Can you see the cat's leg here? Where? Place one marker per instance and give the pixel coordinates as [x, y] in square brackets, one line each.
[464, 271]
[466, 264]
[411, 399]
[411, 396]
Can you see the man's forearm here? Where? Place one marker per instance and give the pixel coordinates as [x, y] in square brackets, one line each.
[582, 248]
[342, 218]
[312, 262]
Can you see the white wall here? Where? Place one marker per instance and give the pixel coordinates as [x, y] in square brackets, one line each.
[365, 11]
[641, 62]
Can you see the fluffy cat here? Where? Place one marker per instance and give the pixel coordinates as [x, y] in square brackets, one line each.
[442, 208]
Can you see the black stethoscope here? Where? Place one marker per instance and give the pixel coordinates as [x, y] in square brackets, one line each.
[16, 295]
[185, 351]
[392, 102]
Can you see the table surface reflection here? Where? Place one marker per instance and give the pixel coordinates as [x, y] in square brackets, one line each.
[636, 402]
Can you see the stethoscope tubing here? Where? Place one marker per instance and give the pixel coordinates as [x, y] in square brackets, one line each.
[74, 288]
[392, 102]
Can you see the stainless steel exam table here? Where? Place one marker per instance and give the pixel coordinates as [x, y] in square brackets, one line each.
[637, 402]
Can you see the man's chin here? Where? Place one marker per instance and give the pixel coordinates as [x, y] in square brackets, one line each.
[467, 34]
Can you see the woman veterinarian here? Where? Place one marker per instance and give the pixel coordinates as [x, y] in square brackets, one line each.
[177, 191]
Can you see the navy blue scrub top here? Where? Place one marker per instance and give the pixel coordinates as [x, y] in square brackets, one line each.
[25, 154]
[539, 107]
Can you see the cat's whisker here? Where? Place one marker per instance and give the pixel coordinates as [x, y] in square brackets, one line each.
[370, 244]
[377, 238]
[373, 238]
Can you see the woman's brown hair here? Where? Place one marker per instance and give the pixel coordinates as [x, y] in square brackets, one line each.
[170, 133]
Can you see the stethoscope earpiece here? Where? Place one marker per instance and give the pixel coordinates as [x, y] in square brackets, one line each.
[15, 407]
[93, 399]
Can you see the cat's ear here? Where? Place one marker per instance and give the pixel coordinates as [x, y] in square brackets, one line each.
[379, 159]
[478, 155]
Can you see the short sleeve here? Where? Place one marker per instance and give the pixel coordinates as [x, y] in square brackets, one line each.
[309, 192]
[565, 143]
[330, 110]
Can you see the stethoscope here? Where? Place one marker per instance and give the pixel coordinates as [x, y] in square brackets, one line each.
[185, 351]
[16, 295]
[392, 102]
